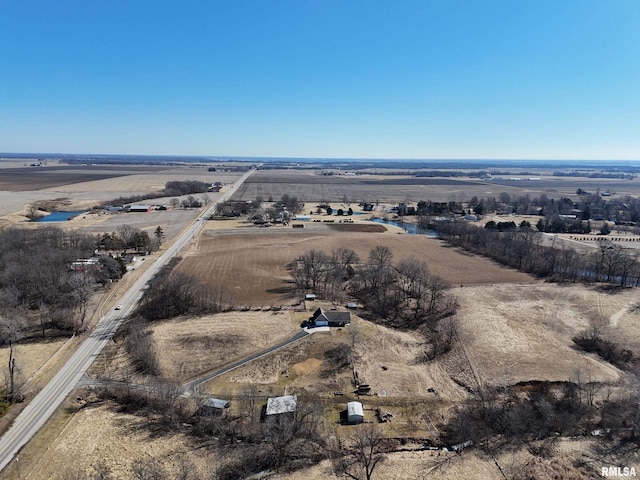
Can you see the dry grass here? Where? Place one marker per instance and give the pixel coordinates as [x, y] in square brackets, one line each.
[193, 346]
[520, 333]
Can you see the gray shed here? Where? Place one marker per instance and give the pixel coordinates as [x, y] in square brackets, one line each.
[355, 412]
[212, 407]
[279, 405]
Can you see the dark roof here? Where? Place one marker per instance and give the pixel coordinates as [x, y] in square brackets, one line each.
[332, 316]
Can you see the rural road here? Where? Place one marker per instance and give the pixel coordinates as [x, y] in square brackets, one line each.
[42, 406]
[191, 386]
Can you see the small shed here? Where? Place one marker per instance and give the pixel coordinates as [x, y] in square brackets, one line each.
[280, 405]
[355, 413]
[310, 296]
[212, 407]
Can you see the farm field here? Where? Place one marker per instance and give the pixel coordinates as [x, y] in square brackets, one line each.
[253, 266]
[313, 186]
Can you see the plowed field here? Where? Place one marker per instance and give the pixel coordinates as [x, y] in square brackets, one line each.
[252, 267]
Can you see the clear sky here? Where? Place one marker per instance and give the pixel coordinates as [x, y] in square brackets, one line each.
[512, 79]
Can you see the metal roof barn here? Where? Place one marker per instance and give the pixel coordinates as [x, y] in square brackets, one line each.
[355, 412]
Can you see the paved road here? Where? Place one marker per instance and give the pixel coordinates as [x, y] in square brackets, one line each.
[35, 415]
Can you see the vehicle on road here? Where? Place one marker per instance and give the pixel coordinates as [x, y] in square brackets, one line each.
[119, 306]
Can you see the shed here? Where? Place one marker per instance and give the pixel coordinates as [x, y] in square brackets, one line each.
[280, 405]
[355, 413]
[212, 407]
[310, 296]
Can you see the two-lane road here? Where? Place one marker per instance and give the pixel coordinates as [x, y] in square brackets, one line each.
[35, 415]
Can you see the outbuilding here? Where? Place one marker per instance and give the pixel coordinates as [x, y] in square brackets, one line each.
[212, 407]
[355, 413]
[281, 405]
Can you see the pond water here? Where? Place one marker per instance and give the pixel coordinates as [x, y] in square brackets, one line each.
[62, 216]
[409, 228]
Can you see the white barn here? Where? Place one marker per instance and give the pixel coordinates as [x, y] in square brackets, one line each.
[355, 412]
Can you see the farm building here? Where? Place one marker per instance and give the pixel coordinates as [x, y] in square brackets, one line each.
[212, 407]
[355, 413]
[86, 264]
[333, 319]
[140, 208]
[280, 405]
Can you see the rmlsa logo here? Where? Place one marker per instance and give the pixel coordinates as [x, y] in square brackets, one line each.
[618, 472]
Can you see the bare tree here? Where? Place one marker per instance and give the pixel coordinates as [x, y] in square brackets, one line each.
[11, 331]
[366, 452]
[127, 234]
[81, 290]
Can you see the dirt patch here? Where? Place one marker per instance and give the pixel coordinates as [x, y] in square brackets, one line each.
[308, 366]
[358, 227]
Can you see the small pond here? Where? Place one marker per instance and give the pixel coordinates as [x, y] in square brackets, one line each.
[61, 216]
[409, 228]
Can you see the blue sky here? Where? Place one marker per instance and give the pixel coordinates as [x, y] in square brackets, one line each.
[508, 79]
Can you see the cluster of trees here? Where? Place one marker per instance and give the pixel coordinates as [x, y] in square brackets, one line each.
[40, 293]
[185, 187]
[522, 248]
[543, 410]
[172, 188]
[404, 294]
[128, 238]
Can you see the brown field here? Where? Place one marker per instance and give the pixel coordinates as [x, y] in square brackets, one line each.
[313, 186]
[252, 267]
[84, 187]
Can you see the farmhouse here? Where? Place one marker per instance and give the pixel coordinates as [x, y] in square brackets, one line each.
[281, 405]
[355, 413]
[212, 407]
[332, 319]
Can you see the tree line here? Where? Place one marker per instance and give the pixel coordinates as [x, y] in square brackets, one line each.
[523, 249]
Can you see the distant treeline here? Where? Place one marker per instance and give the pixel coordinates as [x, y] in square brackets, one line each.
[173, 188]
